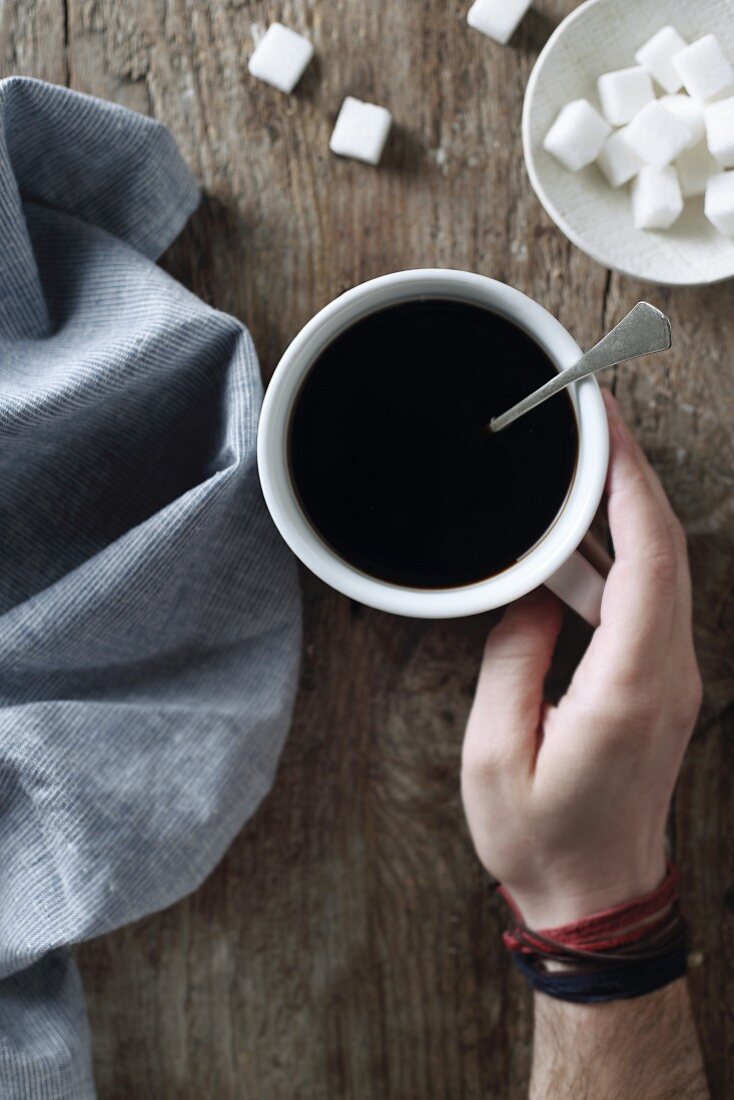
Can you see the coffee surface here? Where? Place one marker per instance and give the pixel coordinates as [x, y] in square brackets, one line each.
[389, 453]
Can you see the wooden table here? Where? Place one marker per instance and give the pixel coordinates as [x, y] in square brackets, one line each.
[348, 944]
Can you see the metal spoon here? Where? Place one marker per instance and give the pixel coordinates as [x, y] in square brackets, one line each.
[643, 331]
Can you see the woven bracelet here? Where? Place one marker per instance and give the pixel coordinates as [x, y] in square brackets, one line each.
[625, 952]
[622, 980]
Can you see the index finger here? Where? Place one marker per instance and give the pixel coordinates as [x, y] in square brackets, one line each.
[639, 602]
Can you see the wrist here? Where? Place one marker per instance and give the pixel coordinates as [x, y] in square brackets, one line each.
[549, 906]
[540, 911]
[624, 951]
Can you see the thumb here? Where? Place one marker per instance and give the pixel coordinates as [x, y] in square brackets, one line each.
[506, 713]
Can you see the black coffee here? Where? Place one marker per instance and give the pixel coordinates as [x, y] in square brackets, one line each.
[391, 459]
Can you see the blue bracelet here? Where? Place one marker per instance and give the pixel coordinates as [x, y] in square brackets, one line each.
[621, 981]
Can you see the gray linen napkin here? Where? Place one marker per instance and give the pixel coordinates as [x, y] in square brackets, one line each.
[149, 613]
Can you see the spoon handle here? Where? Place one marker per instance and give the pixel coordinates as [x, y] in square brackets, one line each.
[643, 331]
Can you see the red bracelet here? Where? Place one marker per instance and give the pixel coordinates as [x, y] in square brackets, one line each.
[628, 951]
[603, 931]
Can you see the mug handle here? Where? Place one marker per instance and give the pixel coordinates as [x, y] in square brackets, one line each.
[579, 583]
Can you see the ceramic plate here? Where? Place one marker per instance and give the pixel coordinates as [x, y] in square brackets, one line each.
[599, 36]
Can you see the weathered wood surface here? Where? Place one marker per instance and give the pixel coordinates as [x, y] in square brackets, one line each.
[348, 944]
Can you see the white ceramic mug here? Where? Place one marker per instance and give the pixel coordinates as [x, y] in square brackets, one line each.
[554, 560]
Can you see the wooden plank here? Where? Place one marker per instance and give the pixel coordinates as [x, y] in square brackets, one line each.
[33, 40]
[348, 945]
[681, 405]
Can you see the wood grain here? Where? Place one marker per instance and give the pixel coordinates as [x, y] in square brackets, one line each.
[348, 945]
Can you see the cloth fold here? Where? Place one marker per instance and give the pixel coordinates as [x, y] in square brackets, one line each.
[149, 613]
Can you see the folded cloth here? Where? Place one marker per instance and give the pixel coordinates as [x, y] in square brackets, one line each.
[149, 614]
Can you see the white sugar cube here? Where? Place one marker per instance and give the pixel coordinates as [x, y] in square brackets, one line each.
[361, 130]
[694, 167]
[656, 198]
[498, 19]
[705, 69]
[280, 57]
[690, 111]
[577, 136]
[623, 93]
[617, 160]
[719, 202]
[657, 57]
[719, 118]
[656, 135]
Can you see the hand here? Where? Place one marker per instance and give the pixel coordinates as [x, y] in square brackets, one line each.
[567, 805]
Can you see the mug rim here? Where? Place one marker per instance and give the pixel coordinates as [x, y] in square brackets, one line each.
[559, 540]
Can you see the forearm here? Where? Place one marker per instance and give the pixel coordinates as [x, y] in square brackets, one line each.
[646, 1047]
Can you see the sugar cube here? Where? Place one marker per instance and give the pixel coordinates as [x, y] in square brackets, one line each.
[280, 57]
[656, 198]
[719, 118]
[694, 166]
[498, 19]
[690, 111]
[577, 136]
[705, 69]
[617, 160]
[656, 55]
[719, 202]
[656, 135]
[361, 130]
[623, 93]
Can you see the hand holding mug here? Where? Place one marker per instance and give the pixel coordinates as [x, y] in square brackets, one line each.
[567, 805]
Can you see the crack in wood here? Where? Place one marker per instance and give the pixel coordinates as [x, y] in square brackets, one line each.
[67, 70]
